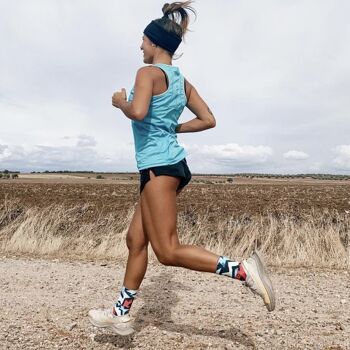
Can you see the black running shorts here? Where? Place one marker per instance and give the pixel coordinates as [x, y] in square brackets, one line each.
[179, 169]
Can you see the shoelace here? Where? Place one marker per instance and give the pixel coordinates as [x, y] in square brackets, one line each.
[108, 313]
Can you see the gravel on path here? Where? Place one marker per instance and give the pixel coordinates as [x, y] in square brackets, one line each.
[44, 305]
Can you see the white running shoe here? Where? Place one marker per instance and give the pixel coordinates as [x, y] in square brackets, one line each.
[258, 281]
[106, 319]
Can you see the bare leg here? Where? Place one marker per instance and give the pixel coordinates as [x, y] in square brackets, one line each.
[159, 216]
[137, 242]
[154, 221]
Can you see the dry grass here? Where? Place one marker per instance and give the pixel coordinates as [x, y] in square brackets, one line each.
[316, 239]
[58, 230]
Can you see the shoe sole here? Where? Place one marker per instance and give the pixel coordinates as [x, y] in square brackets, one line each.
[263, 281]
[113, 328]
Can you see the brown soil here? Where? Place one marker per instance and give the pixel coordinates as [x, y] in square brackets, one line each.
[248, 197]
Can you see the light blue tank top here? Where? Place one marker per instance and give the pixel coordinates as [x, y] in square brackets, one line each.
[155, 137]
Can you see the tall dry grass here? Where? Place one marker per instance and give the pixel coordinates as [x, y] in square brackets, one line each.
[316, 239]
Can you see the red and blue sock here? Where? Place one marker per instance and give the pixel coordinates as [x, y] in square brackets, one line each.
[230, 268]
[124, 302]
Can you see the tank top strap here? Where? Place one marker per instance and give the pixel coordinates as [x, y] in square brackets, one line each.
[172, 72]
[175, 78]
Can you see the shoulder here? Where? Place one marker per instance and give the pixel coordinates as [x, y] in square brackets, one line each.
[143, 71]
[147, 73]
[147, 70]
[188, 84]
[144, 76]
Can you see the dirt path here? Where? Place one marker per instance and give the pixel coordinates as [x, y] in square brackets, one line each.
[44, 305]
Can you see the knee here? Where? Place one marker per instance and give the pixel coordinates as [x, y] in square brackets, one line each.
[135, 243]
[166, 257]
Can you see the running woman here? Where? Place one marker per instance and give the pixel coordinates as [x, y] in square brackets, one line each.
[155, 103]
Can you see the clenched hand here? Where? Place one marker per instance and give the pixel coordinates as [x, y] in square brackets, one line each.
[119, 97]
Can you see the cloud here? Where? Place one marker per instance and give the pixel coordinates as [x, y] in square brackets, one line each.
[342, 159]
[86, 141]
[4, 152]
[82, 155]
[228, 156]
[295, 155]
[64, 59]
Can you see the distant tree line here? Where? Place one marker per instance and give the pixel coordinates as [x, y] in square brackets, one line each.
[7, 174]
[62, 172]
[278, 176]
[291, 176]
[79, 172]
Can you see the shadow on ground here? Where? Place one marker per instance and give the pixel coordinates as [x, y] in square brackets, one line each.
[157, 313]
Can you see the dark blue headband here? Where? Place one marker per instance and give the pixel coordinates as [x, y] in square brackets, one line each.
[159, 36]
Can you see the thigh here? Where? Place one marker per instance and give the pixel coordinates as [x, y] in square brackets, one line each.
[159, 212]
[136, 234]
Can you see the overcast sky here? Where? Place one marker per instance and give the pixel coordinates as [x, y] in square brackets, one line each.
[276, 75]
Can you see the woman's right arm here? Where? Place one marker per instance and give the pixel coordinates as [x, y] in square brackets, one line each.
[204, 116]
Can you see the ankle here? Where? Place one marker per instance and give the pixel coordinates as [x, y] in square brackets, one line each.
[227, 267]
[124, 302]
[241, 274]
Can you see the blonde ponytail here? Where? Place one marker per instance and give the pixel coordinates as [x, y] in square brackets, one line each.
[176, 18]
[177, 14]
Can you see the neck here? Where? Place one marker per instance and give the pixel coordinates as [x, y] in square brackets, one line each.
[169, 64]
[162, 58]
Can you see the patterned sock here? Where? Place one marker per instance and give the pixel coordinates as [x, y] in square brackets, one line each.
[230, 268]
[124, 302]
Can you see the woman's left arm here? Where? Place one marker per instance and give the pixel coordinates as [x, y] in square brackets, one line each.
[137, 109]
